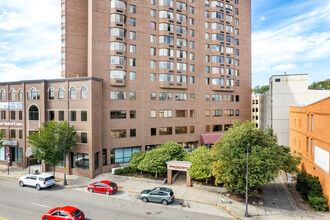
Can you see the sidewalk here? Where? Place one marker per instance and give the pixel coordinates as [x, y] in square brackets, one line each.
[190, 197]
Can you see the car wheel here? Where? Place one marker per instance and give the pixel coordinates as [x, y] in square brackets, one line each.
[21, 184]
[164, 202]
[107, 193]
[144, 199]
[91, 190]
[38, 187]
[46, 218]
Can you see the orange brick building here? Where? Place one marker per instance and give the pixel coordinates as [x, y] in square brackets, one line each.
[310, 135]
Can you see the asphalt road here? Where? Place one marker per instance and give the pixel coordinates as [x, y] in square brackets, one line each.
[27, 203]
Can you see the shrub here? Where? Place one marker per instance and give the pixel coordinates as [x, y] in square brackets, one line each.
[310, 187]
[317, 202]
[119, 171]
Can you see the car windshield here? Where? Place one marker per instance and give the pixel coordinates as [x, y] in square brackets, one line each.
[76, 213]
[113, 184]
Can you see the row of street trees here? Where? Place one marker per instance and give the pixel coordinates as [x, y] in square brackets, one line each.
[226, 160]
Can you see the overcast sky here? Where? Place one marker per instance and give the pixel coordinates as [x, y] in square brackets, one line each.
[287, 36]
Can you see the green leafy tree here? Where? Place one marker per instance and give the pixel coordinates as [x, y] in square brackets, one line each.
[201, 163]
[261, 89]
[266, 158]
[155, 159]
[136, 158]
[48, 144]
[320, 85]
[1, 137]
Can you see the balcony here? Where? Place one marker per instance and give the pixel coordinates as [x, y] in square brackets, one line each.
[223, 88]
[118, 82]
[172, 85]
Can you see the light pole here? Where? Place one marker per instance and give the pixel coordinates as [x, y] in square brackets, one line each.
[247, 178]
[64, 161]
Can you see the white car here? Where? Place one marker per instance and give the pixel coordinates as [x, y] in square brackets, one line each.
[37, 180]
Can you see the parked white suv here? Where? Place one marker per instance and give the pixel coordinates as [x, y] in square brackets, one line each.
[37, 180]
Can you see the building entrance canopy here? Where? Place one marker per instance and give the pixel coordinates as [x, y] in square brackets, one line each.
[210, 138]
[178, 166]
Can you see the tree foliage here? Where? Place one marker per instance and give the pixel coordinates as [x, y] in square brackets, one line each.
[266, 158]
[47, 143]
[261, 89]
[155, 159]
[136, 158]
[201, 163]
[320, 85]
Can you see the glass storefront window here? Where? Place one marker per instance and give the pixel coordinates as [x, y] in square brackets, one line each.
[122, 155]
[80, 161]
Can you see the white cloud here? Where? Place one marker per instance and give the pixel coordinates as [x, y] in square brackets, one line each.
[262, 18]
[30, 40]
[308, 65]
[298, 39]
[284, 67]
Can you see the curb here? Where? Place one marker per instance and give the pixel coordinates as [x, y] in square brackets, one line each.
[142, 179]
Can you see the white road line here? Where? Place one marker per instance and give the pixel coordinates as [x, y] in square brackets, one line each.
[40, 205]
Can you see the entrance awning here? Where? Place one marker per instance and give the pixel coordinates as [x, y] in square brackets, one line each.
[210, 138]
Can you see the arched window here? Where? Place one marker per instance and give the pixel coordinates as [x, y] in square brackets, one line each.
[12, 95]
[3, 95]
[73, 94]
[60, 93]
[20, 94]
[83, 92]
[33, 94]
[33, 113]
[51, 94]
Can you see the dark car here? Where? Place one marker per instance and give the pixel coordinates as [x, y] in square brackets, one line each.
[158, 194]
[66, 212]
[103, 186]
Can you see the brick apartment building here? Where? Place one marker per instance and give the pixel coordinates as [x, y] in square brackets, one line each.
[309, 135]
[150, 71]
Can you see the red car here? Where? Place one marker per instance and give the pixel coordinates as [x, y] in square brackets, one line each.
[103, 186]
[66, 212]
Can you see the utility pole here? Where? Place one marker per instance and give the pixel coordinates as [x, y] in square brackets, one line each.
[247, 178]
[64, 161]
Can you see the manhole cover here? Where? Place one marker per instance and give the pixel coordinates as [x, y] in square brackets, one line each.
[148, 213]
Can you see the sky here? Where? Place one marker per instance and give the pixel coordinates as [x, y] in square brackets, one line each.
[288, 36]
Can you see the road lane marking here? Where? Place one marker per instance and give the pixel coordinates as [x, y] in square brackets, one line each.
[40, 205]
[3, 218]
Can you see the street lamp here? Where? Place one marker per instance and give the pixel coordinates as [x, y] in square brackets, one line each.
[247, 178]
[64, 161]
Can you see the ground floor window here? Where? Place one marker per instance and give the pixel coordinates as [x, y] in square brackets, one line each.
[122, 155]
[80, 161]
[16, 154]
[2, 153]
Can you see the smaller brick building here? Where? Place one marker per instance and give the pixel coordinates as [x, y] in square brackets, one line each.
[310, 135]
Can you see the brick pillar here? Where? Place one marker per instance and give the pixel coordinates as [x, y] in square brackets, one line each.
[188, 181]
[169, 176]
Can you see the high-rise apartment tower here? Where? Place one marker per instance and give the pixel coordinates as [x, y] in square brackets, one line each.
[172, 70]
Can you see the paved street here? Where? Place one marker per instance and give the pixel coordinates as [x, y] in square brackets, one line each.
[28, 203]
